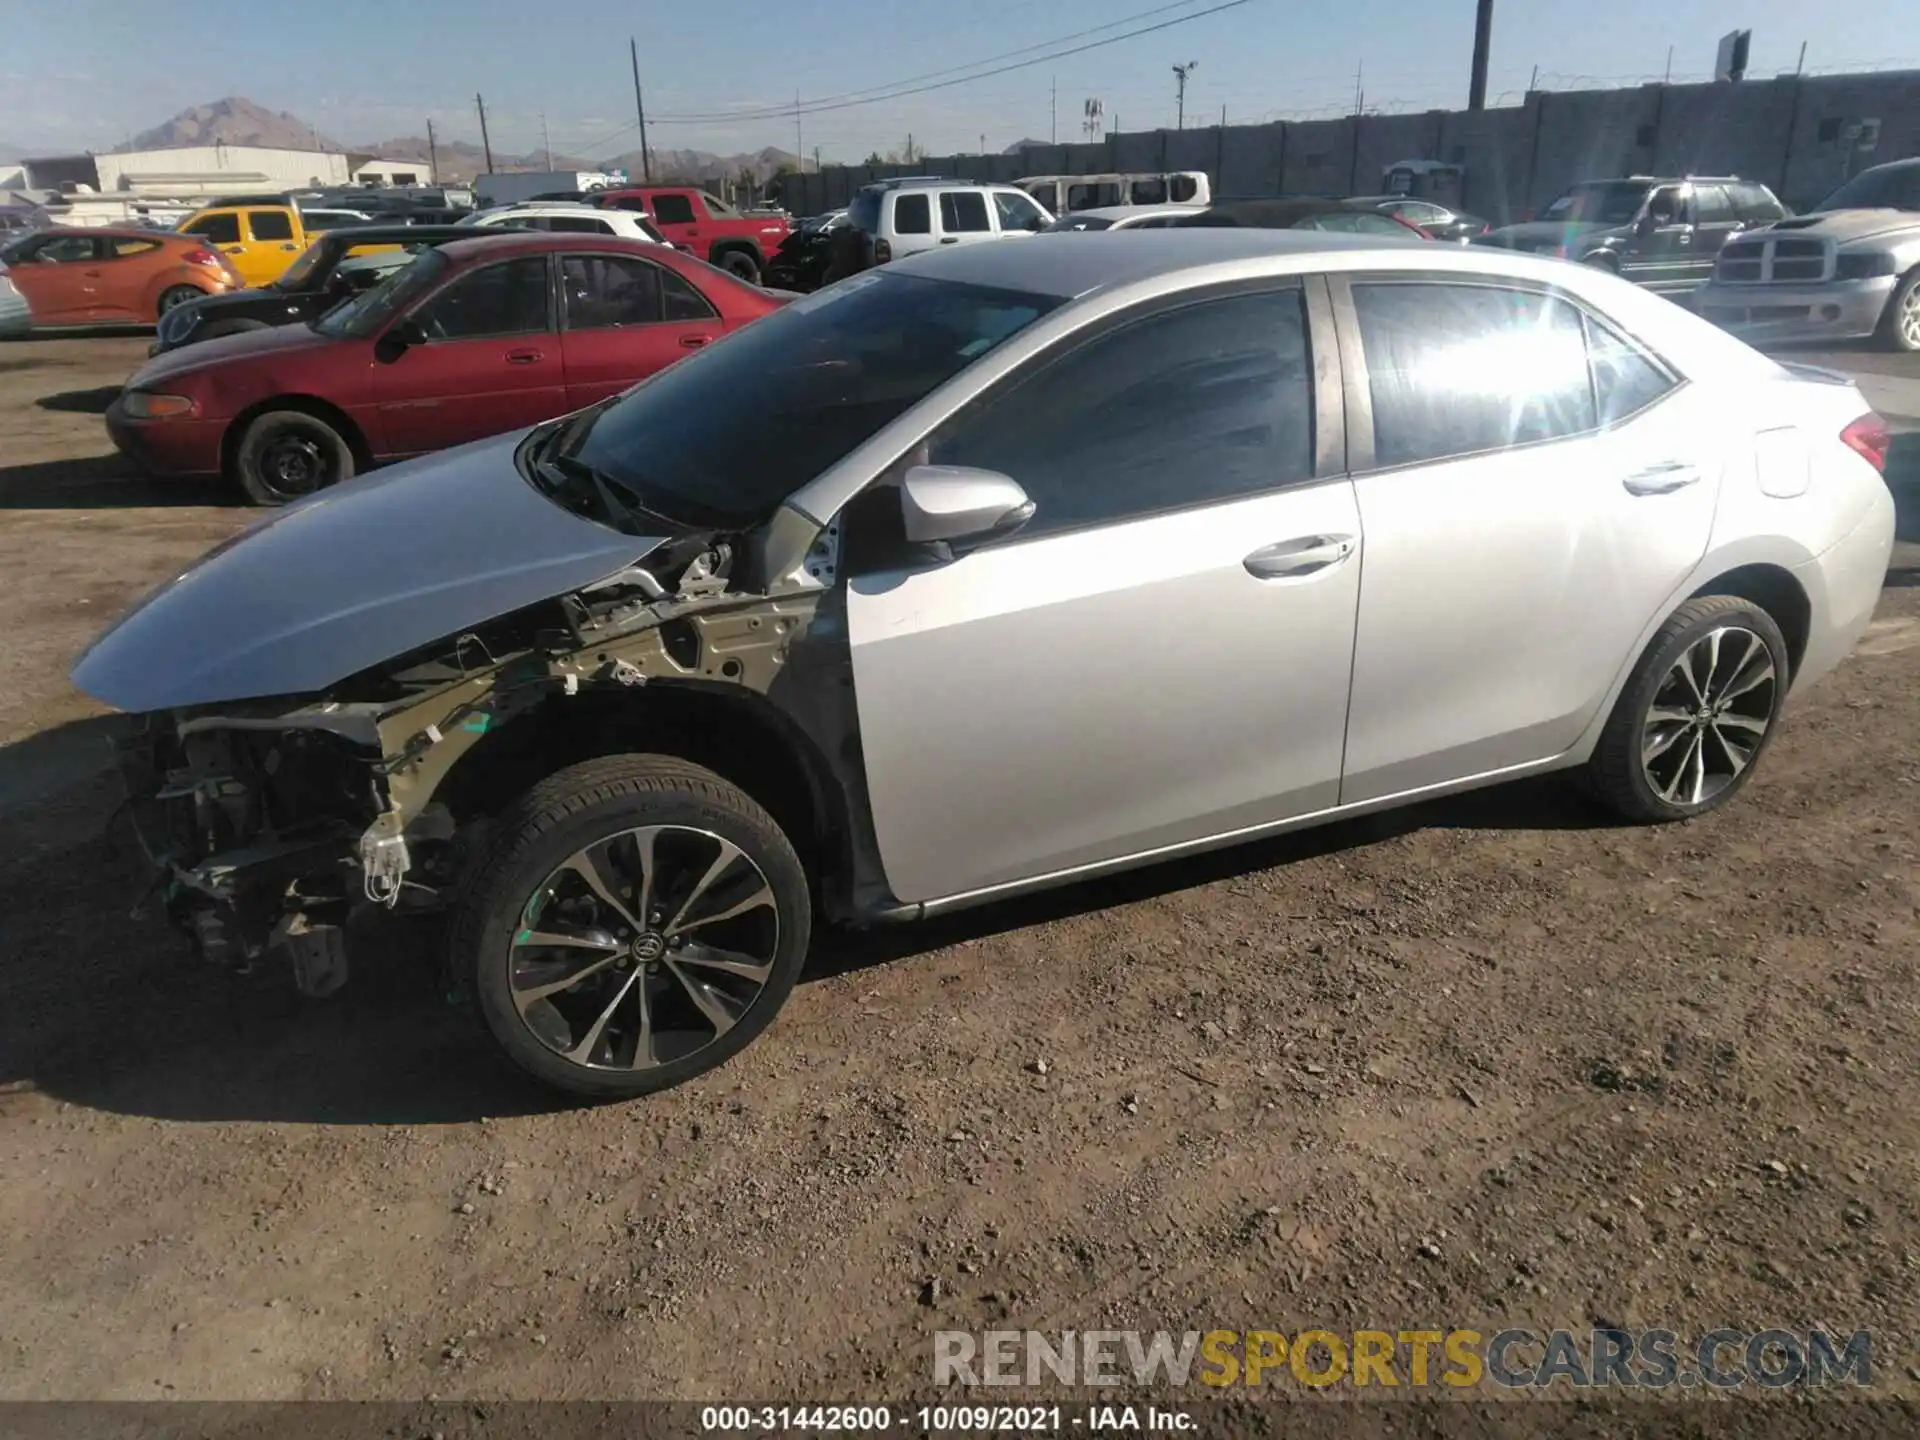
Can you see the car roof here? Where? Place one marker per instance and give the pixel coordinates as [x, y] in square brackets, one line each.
[1133, 212]
[122, 232]
[395, 230]
[495, 243]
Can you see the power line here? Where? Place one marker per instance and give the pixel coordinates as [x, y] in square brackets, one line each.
[822, 106]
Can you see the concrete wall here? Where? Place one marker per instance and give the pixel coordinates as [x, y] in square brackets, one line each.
[1786, 133]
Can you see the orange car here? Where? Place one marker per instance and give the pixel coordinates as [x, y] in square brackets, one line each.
[112, 276]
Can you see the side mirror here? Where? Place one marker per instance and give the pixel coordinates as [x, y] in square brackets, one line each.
[401, 336]
[945, 504]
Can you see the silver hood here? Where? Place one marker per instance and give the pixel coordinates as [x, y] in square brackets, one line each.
[1847, 226]
[355, 575]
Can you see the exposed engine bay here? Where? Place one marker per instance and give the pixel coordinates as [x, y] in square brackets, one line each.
[272, 822]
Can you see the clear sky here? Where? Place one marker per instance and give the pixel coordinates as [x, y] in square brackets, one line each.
[88, 73]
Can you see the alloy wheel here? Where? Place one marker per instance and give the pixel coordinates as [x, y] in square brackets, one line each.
[1709, 716]
[1909, 317]
[643, 948]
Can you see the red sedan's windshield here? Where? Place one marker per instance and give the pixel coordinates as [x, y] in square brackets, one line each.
[362, 317]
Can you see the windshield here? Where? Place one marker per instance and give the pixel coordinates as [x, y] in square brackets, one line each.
[362, 316]
[304, 271]
[14, 244]
[1610, 202]
[817, 379]
[1078, 222]
[1892, 187]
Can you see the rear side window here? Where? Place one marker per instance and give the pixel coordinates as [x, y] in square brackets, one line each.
[1711, 206]
[1464, 369]
[223, 229]
[1625, 379]
[1148, 192]
[505, 299]
[270, 224]
[1756, 203]
[681, 300]
[963, 210]
[120, 249]
[1203, 403]
[673, 210]
[912, 215]
[579, 225]
[1183, 189]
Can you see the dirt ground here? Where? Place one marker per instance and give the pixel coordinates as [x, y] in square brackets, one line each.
[1487, 1062]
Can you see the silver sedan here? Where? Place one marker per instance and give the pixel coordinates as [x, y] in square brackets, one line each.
[991, 570]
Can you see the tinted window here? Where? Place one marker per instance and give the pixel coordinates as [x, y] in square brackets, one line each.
[65, 250]
[1667, 206]
[121, 248]
[1148, 192]
[1367, 223]
[1459, 369]
[220, 229]
[578, 225]
[911, 215]
[270, 224]
[1893, 186]
[817, 377]
[864, 212]
[1201, 403]
[1625, 379]
[673, 210]
[1608, 202]
[1756, 202]
[505, 299]
[681, 300]
[1184, 188]
[1092, 197]
[607, 290]
[962, 210]
[1017, 212]
[1711, 205]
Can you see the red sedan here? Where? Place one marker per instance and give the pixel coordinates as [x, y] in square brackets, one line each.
[472, 339]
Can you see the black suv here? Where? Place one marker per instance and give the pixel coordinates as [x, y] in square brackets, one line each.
[313, 284]
[1663, 232]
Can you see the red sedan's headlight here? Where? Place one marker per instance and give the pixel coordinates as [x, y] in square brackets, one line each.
[146, 405]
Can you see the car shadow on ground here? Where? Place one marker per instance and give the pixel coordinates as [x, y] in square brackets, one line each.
[101, 482]
[81, 402]
[110, 1009]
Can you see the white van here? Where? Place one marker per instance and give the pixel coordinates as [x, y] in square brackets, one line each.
[1064, 194]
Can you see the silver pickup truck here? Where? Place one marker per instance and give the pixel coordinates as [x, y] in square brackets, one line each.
[1847, 270]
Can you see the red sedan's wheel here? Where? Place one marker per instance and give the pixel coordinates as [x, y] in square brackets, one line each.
[287, 455]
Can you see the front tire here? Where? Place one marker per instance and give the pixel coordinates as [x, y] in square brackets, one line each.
[1696, 714]
[636, 921]
[741, 265]
[1900, 321]
[286, 455]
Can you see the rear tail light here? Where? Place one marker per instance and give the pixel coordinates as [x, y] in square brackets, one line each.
[205, 257]
[882, 252]
[1869, 438]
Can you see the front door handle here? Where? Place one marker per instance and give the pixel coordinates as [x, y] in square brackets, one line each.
[1661, 479]
[1292, 559]
[524, 357]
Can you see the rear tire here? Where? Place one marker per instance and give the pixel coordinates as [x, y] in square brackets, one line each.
[1900, 321]
[175, 295]
[741, 265]
[287, 455]
[1696, 714]
[667, 960]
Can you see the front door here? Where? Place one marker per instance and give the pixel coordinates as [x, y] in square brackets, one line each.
[1659, 254]
[1160, 656]
[491, 363]
[1516, 548]
[271, 246]
[964, 217]
[60, 276]
[623, 319]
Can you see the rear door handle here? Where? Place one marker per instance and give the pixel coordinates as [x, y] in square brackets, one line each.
[1292, 559]
[950, 240]
[694, 342]
[524, 357]
[1661, 479]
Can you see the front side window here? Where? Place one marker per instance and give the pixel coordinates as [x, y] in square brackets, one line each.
[912, 215]
[818, 377]
[65, 250]
[270, 224]
[673, 209]
[221, 229]
[505, 299]
[1465, 369]
[1201, 403]
[607, 291]
[962, 211]
[1668, 206]
[1017, 212]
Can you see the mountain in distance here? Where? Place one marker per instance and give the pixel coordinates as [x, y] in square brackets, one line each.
[234, 120]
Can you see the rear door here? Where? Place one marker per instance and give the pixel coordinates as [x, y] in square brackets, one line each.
[491, 363]
[624, 318]
[1533, 489]
[1715, 221]
[127, 270]
[912, 215]
[59, 275]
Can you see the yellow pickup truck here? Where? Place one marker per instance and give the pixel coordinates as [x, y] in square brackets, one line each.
[260, 240]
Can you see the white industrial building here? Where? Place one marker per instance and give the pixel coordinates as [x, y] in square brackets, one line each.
[390, 172]
[216, 168]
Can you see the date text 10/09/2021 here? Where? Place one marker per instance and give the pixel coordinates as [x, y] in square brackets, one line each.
[943, 1419]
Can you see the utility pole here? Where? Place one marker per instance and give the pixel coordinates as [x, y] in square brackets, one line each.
[1359, 89]
[799, 146]
[1054, 133]
[1801, 64]
[486, 145]
[433, 152]
[546, 143]
[1180, 73]
[1482, 52]
[640, 107]
[816, 159]
[1667, 78]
